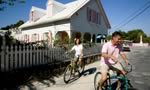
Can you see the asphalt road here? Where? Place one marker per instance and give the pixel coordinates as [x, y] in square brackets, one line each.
[139, 57]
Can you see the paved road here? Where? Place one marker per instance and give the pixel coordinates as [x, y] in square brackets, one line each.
[140, 76]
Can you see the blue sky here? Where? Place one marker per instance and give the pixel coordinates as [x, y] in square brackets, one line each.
[116, 10]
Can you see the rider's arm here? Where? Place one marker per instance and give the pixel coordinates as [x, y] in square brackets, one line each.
[124, 57]
[81, 51]
[72, 49]
[105, 53]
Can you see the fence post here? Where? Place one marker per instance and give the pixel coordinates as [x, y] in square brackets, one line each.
[16, 57]
[3, 54]
[19, 57]
[12, 57]
[7, 58]
[30, 56]
[33, 56]
[37, 56]
[27, 56]
[23, 56]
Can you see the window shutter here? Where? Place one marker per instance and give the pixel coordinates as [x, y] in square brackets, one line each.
[88, 14]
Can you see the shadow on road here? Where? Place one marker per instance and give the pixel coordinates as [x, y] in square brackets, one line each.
[84, 73]
[73, 79]
[89, 71]
[25, 77]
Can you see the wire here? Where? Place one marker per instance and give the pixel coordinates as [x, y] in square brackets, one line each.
[135, 16]
[147, 3]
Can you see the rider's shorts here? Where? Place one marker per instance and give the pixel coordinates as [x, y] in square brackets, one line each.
[105, 68]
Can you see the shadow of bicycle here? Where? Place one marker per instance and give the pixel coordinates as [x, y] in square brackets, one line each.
[89, 71]
[84, 73]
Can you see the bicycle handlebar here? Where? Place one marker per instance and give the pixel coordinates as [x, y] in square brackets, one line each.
[128, 70]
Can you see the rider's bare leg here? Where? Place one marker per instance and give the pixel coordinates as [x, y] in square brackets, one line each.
[102, 80]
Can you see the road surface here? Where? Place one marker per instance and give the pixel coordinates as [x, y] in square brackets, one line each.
[139, 57]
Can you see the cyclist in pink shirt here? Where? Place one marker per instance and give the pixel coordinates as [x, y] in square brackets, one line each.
[110, 52]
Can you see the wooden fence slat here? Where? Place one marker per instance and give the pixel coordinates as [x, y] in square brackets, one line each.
[30, 53]
[26, 56]
[36, 57]
[2, 58]
[11, 58]
[19, 57]
[6, 59]
[39, 56]
[16, 59]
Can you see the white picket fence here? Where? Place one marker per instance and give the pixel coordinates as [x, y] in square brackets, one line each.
[25, 56]
[18, 57]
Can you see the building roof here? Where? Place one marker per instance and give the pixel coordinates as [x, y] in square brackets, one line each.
[38, 9]
[70, 9]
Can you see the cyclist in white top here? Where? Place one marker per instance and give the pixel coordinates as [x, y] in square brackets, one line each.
[78, 47]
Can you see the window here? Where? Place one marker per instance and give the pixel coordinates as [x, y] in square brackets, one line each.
[93, 16]
[89, 14]
[34, 37]
[45, 36]
[26, 38]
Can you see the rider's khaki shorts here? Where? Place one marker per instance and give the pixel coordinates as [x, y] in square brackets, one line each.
[105, 68]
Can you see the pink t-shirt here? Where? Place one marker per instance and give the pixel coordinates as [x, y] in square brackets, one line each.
[110, 49]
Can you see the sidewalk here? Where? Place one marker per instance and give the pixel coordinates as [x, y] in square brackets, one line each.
[85, 82]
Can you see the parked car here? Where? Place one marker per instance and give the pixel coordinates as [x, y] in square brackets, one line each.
[126, 48]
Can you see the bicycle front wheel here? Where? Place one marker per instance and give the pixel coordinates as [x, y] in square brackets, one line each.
[67, 74]
[97, 78]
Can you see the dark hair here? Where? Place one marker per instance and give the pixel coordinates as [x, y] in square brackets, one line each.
[116, 33]
[76, 40]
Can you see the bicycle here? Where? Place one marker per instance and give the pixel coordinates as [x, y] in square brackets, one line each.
[112, 79]
[71, 70]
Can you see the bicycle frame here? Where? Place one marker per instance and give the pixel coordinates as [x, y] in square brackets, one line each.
[122, 77]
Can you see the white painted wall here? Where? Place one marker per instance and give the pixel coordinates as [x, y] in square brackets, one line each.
[57, 9]
[80, 22]
[37, 15]
[53, 7]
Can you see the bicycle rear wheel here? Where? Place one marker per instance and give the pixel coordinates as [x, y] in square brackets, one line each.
[97, 78]
[67, 74]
